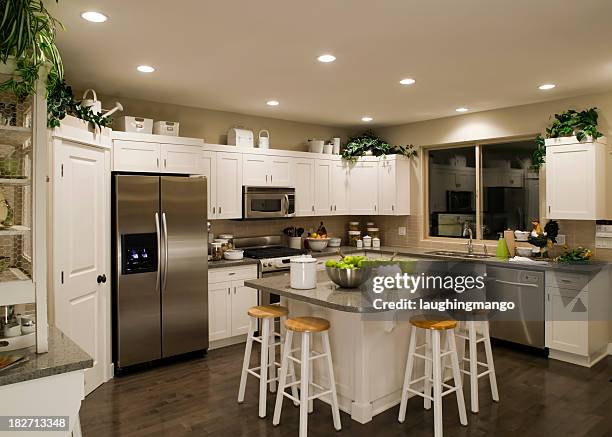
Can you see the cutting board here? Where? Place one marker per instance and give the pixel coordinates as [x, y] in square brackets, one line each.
[509, 237]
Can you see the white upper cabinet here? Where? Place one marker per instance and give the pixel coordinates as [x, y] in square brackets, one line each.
[576, 180]
[228, 183]
[138, 156]
[266, 170]
[304, 178]
[208, 169]
[133, 152]
[179, 158]
[363, 187]
[340, 188]
[394, 186]
[323, 187]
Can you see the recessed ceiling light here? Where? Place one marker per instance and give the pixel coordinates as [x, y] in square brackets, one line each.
[272, 103]
[407, 81]
[94, 17]
[366, 119]
[326, 58]
[145, 69]
[461, 109]
[547, 86]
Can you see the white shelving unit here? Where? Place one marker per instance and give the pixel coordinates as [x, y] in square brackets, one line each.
[23, 170]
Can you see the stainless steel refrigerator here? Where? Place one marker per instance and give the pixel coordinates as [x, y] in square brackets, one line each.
[160, 290]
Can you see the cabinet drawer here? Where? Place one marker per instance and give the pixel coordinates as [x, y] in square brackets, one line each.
[566, 280]
[232, 274]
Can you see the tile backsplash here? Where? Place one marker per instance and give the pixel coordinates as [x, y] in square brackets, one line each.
[577, 232]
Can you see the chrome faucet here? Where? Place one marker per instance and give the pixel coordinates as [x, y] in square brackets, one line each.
[468, 231]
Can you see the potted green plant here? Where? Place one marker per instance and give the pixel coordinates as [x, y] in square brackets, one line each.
[568, 127]
[369, 144]
[27, 32]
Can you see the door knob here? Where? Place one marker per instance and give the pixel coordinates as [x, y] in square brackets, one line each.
[101, 279]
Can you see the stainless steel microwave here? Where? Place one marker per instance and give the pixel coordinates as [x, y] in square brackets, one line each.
[267, 202]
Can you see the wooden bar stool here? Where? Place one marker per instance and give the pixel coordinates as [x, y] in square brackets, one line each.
[434, 363]
[306, 326]
[267, 339]
[469, 332]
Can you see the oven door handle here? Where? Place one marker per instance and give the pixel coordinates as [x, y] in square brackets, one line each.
[518, 284]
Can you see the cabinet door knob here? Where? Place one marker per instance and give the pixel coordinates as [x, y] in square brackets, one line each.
[101, 279]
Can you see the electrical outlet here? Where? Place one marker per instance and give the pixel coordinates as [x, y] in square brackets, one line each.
[560, 239]
[401, 230]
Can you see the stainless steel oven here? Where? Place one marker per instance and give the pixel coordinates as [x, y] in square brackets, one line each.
[267, 202]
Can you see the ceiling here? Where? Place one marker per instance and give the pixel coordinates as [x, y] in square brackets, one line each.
[236, 55]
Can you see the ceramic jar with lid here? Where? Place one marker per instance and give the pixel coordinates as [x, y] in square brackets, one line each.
[303, 272]
[375, 243]
[367, 241]
[353, 237]
[354, 226]
[216, 251]
[229, 238]
[373, 232]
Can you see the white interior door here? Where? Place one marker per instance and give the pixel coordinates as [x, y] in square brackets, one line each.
[81, 237]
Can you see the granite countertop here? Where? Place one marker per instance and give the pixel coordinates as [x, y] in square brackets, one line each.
[327, 294]
[64, 356]
[231, 263]
[588, 268]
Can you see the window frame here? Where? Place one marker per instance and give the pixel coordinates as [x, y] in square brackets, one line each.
[478, 148]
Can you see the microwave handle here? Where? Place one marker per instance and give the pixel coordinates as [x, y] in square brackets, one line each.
[286, 204]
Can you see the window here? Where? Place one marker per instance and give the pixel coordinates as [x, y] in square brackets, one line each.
[485, 187]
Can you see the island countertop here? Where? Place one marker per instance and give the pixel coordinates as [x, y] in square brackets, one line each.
[327, 294]
[64, 356]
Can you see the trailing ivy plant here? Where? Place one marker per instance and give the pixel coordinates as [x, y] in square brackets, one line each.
[27, 35]
[582, 124]
[368, 142]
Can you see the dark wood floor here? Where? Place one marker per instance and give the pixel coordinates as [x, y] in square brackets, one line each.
[539, 397]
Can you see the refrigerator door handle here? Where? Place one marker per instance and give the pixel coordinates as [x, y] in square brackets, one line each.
[165, 232]
[158, 235]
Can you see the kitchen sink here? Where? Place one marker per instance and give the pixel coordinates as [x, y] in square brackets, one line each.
[456, 254]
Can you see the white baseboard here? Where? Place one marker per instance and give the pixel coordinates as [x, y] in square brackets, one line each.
[609, 348]
[216, 344]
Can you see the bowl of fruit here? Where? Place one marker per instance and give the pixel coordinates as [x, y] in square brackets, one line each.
[317, 242]
[348, 271]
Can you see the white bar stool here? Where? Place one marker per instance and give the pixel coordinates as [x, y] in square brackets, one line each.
[306, 326]
[267, 339]
[434, 357]
[469, 333]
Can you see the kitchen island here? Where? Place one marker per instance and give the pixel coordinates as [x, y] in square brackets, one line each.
[368, 346]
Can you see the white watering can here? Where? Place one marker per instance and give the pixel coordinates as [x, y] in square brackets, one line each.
[96, 105]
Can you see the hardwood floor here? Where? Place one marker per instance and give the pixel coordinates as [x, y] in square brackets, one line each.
[539, 397]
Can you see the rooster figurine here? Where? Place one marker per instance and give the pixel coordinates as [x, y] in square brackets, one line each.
[543, 238]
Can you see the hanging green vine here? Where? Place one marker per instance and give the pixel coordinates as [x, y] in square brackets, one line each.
[27, 34]
[369, 142]
[582, 124]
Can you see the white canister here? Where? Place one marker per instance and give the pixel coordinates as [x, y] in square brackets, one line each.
[263, 140]
[376, 243]
[336, 146]
[328, 149]
[367, 241]
[303, 272]
[359, 244]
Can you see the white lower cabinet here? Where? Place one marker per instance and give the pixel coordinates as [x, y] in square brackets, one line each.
[577, 316]
[229, 301]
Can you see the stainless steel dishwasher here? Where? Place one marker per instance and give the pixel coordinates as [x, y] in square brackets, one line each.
[524, 324]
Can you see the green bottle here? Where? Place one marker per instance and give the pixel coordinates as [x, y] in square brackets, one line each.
[502, 251]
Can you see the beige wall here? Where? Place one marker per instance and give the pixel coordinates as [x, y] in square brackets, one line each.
[213, 125]
[512, 122]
